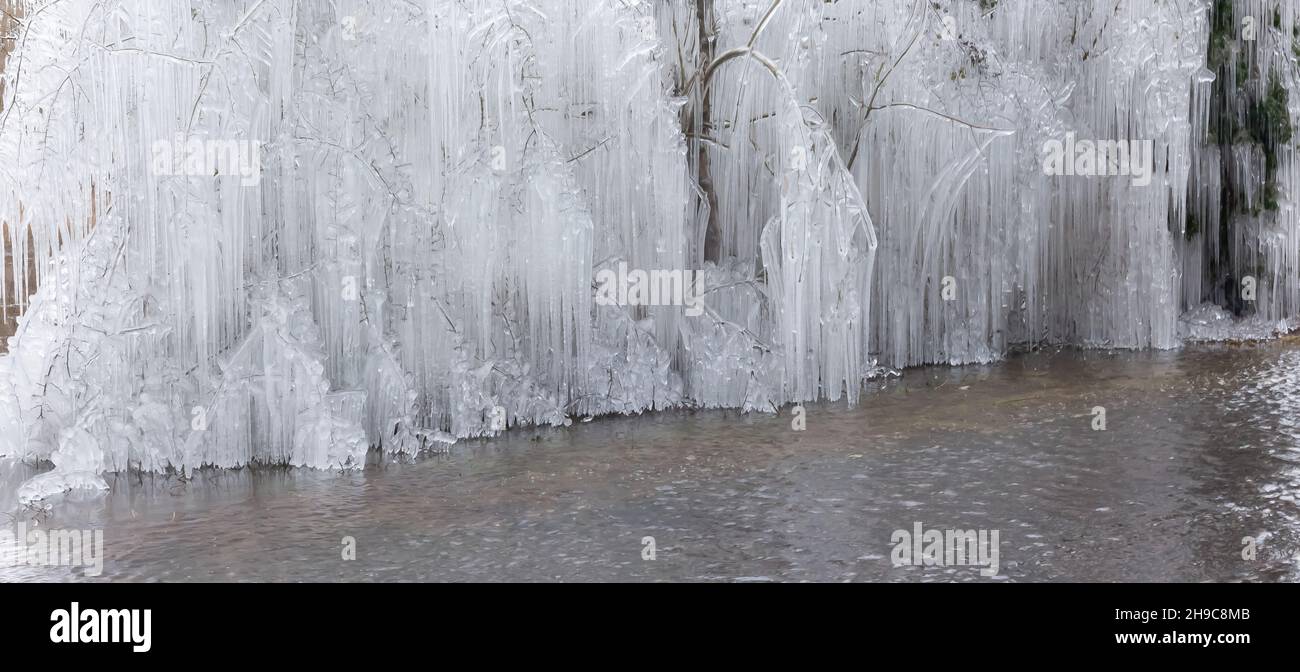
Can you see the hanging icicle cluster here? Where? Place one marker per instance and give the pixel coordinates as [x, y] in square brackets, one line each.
[285, 232]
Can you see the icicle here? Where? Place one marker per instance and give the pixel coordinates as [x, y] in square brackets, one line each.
[289, 232]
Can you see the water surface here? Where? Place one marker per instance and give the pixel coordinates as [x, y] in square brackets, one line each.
[1201, 449]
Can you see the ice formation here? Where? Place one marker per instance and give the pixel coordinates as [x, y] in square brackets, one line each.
[286, 232]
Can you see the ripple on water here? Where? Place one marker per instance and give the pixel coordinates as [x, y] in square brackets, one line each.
[1201, 451]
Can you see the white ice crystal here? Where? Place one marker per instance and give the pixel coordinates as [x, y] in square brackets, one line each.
[271, 231]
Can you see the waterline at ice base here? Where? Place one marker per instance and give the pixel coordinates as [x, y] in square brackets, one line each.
[282, 232]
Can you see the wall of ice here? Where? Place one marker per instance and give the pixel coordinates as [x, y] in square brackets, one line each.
[283, 231]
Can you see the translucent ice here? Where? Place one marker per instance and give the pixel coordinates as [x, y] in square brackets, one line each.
[270, 231]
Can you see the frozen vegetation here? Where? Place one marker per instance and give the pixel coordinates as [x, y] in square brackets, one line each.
[273, 231]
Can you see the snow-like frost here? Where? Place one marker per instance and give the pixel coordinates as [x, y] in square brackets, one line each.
[1209, 323]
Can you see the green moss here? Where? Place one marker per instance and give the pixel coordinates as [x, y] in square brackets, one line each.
[1270, 197]
[1243, 115]
[1277, 116]
[1268, 124]
[1223, 32]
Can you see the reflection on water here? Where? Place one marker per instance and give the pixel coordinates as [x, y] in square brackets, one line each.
[1201, 450]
